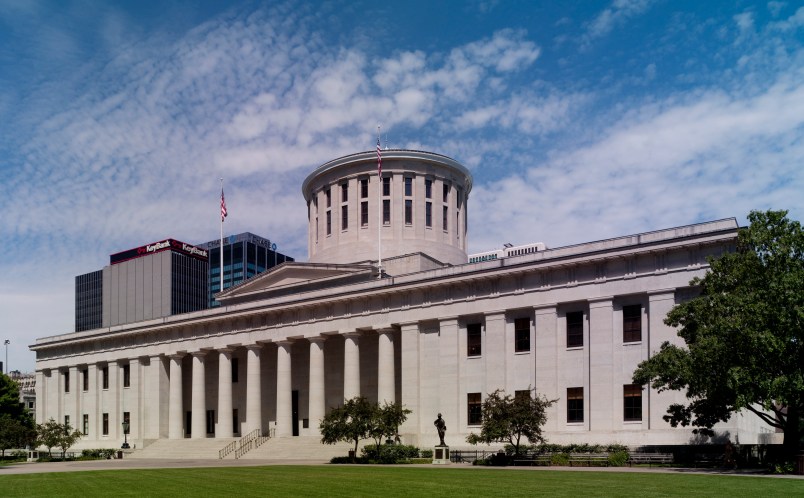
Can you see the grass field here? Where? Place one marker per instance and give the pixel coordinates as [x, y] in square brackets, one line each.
[350, 481]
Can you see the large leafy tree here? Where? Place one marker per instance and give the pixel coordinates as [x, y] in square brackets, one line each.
[53, 434]
[508, 419]
[744, 335]
[360, 419]
[16, 422]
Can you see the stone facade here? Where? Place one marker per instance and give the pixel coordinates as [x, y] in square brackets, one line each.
[435, 335]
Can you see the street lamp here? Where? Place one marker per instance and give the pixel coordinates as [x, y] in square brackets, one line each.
[126, 426]
[6, 343]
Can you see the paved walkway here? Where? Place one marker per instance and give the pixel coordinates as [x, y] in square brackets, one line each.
[36, 468]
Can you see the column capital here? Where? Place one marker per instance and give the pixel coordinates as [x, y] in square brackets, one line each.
[544, 309]
[661, 294]
[317, 339]
[498, 314]
[257, 347]
[386, 331]
[352, 334]
[199, 354]
[600, 302]
[177, 356]
[286, 344]
[227, 350]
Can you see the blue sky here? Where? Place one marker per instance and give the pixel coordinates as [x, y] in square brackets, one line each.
[579, 121]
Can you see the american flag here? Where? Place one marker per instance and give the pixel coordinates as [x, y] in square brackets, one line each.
[379, 158]
[223, 207]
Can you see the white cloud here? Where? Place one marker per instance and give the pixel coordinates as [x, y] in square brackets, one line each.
[615, 15]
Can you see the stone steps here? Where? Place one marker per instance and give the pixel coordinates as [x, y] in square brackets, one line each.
[182, 449]
[285, 448]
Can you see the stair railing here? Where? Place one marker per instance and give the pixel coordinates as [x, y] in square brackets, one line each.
[239, 446]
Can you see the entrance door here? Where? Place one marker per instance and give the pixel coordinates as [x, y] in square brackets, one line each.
[295, 411]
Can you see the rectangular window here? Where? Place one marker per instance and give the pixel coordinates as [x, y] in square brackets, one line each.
[408, 212]
[328, 195]
[105, 375]
[522, 394]
[473, 340]
[105, 427]
[445, 219]
[344, 192]
[386, 212]
[574, 404]
[428, 214]
[126, 375]
[522, 335]
[67, 381]
[67, 422]
[364, 188]
[344, 217]
[85, 425]
[408, 186]
[632, 323]
[446, 192]
[210, 421]
[386, 186]
[85, 379]
[364, 213]
[632, 403]
[329, 222]
[235, 422]
[474, 409]
[127, 421]
[235, 370]
[428, 188]
[575, 329]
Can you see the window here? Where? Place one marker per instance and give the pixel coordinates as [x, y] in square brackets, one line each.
[428, 188]
[408, 212]
[329, 222]
[386, 186]
[328, 195]
[126, 375]
[474, 409]
[632, 403]
[575, 329]
[574, 404]
[522, 394]
[445, 219]
[85, 379]
[344, 192]
[235, 422]
[632, 323]
[127, 421]
[105, 428]
[446, 192]
[105, 375]
[85, 425]
[522, 335]
[428, 214]
[67, 422]
[408, 186]
[473, 340]
[344, 217]
[235, 370]
[364, 213]
[364, 188]
[67, 381]
[386, 212]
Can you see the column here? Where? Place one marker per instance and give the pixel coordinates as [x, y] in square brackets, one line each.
[654, 404]
[90, 405]
[494, 351]
[75, 393]
[409, 371]
[133, 401]
[199, 396]
[451, 399]
[253, 389]
[41, 399]
[224, 429]
[546, 353]
[176, 405]
[351, 365]
[284, 408]
[318, 407]
[603, 397]
[115, 387]
[386, 387]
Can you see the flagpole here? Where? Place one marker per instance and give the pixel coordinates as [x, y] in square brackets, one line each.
[379, 205]
[223, 215]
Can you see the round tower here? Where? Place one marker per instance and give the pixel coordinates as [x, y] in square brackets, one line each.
[419, 205]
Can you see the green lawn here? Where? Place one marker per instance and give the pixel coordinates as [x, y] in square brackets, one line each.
[333, 481]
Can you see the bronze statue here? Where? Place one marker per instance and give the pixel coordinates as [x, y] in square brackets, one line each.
[441, 427]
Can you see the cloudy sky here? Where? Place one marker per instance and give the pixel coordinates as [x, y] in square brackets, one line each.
[579, 121]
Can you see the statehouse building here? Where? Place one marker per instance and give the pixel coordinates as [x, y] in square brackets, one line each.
[390, 307]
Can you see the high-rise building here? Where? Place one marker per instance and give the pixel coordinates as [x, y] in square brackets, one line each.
[244, 255]
[151, 281]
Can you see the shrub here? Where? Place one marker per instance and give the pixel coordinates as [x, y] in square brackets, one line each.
[559, 459]
[426, 453]
[618, 458]
[390, 453]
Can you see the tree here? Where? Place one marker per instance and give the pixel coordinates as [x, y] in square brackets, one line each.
[16, 422]
[360, 419]
[744, 335]
[53, 434]
[507, 419]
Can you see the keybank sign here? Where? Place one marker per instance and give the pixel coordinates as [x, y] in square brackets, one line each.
[164, 245]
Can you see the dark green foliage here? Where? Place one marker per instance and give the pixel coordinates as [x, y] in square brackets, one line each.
[559, 459]
[98, 454]
[360, 419]
[744, 335]
[53, 434]
[507, 419]
[618, 459]
[17, 427]
[390, 453]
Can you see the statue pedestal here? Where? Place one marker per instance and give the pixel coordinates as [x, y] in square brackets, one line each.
[441, 455]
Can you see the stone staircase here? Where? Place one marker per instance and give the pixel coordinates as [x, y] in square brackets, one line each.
[306, 448]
